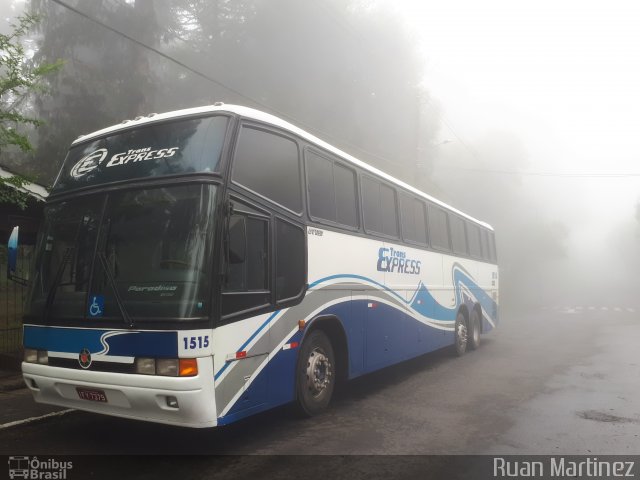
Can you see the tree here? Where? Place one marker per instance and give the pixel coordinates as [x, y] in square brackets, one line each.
[18, 78]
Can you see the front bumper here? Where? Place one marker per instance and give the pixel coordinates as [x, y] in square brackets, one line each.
[140, 397]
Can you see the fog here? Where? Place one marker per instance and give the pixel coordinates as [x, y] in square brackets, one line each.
[523, 115]
[549, 90]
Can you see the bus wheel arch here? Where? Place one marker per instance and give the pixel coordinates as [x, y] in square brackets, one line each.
[334, 330]
[319, 365]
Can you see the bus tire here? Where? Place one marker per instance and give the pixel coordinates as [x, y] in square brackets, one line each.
[461, 335]
[475, 328]
[315, 374]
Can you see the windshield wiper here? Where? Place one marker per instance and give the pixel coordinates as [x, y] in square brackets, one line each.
[112, 282]
[66, 257]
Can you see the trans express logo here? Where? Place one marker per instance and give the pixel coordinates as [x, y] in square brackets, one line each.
[396, 261]
[90, 162]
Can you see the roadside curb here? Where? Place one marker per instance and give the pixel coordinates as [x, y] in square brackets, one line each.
[9, 384]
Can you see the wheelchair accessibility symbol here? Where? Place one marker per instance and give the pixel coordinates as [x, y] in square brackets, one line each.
[96, 307]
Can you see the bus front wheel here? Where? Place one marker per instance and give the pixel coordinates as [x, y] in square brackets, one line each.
[315, 373]
[461, 334]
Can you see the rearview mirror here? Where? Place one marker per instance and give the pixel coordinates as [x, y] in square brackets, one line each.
[12, 257]
[12, 248]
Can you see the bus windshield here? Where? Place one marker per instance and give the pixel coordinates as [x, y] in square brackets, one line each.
[127, 255]
[177, 147]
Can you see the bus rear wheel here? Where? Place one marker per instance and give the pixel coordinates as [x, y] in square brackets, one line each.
[475, 328]
[461, 334]
[315, 374]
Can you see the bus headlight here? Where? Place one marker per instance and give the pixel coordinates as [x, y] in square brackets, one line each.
[146, 366]
[31, 355]
[43, 357]
[167, 366]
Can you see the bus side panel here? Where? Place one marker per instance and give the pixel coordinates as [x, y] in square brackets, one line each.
[389, 313]
[385, 332]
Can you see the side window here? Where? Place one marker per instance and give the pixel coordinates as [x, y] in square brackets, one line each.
[246, 283]
[414, 227]
[290, 260]
[473, 237]
[485, 245]
[458, 240]
[346, 196]
[268, 164]
[332, 190]
[379, 207]
[247, 254]
[322, 197]
[492, 247]
[438, 228]
[389, 210]
[371, 204]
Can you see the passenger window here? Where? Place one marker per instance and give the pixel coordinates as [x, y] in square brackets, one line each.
[438, 228]
[346, 203]
[485, 245]
[389, 211]
[492, 247]
[414, 227]
[379, 207]
[458, 240]
[322, 198]
[473, 237]
[371, 204]
[332, 190]
[268, 164]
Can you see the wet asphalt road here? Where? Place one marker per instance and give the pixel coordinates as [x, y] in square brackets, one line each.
[558, 380]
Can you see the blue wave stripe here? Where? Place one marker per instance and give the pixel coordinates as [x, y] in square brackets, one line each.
[160, 344]
[421, 302]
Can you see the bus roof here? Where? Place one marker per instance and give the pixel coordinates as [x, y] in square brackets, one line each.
[252, 113]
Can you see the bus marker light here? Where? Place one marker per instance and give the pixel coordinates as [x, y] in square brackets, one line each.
[372, 305]
[188, 367]
[301, 324]
[241, 354]
[289, 346]
[172, 402]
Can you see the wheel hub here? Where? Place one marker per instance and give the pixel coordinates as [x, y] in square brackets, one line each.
[462, 335]
[318, 372]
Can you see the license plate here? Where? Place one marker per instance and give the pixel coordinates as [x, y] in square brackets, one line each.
[92, 395]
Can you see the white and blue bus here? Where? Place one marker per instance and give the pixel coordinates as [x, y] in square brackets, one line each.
[203, 265]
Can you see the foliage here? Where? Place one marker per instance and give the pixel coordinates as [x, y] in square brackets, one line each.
[10, 191]
[18, 78]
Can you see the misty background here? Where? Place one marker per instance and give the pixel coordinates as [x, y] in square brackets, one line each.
[524, 116]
